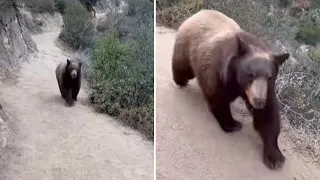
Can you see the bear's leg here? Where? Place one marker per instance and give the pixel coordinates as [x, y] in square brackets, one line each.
[220, 107]
[69, 99]
[75, 91]
[181, 69]
[267, 123]
[62, 92]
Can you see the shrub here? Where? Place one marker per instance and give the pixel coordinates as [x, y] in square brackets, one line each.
[173, 13]
[122, 70]
[308, 35]
[60, 5]
[141, 119]
[139, 7]
[284, 3]
[122, 82]
[78, 28]
[107, 89]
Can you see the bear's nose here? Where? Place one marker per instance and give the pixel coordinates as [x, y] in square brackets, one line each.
[259, 102]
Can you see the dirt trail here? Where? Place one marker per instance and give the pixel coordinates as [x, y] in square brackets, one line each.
[191, 145]
[53, 142]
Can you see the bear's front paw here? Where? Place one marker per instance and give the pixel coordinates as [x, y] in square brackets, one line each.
[274, 159]
[231, 126]
[70, 103]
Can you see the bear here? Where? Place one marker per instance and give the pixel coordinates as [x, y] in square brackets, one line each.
[228, 63]
[68, 76]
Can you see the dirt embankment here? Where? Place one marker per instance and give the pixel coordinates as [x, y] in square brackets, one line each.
[15, 40]
[190, 143]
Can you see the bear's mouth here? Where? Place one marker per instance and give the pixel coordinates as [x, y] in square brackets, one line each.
[256, 93]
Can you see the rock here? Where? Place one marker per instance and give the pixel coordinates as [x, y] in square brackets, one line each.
[15, 39]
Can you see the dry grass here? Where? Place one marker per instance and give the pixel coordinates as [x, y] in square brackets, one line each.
[173, 13]
[302, 141]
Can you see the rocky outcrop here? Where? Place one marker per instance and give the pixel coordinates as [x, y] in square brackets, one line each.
[15, 41]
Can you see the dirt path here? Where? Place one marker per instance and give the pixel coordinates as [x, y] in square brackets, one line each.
[191, 145]
[53, 142]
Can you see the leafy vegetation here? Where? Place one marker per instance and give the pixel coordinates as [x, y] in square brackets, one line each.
[122, 67]
[60, 5]
[78, 28]
[308, 35]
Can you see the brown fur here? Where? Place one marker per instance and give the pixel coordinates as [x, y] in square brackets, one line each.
[226, 60]
[69, 86]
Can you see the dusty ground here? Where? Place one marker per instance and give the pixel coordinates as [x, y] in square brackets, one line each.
[191, 145]
[50, 141]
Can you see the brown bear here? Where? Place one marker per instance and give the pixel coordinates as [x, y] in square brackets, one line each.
[229, 62]
[68, 75]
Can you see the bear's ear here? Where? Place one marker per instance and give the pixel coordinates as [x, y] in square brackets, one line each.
[281, 58]
[68, 62]
[242, 46]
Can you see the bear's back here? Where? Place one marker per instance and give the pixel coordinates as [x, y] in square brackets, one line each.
[207, 24]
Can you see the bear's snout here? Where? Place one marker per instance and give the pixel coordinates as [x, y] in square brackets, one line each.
[256, 93]
[74, 74]
[259, 103]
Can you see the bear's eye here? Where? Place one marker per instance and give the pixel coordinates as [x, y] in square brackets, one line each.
[251, 74]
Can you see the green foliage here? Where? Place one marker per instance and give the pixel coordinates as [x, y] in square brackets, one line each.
[60, 5]
[89, 2]
[78, 28]
[122, 81]
[308, 35]
[123, 71]
[140, 118]
[284, 3]
[139, 7]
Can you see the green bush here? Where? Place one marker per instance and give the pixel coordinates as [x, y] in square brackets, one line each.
[308, 35]
[78, 28]
[60, 5]
[284, 3]
[141, 119]
[122, 71]
[122, 81]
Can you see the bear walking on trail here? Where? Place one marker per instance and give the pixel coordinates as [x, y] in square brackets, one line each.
[69, 80]
[229, 62]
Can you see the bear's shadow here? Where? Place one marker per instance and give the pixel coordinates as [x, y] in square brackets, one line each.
[58, 100]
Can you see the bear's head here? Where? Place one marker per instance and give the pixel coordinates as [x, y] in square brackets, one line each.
[73, 69]
[257, 72]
